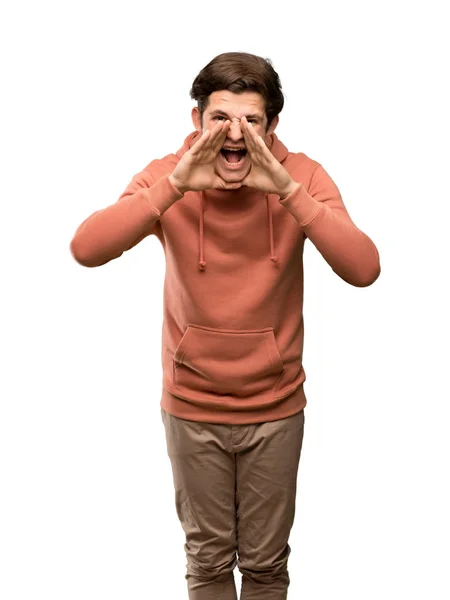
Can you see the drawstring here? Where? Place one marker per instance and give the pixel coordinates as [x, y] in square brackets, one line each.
[273, 257]
[202, 263]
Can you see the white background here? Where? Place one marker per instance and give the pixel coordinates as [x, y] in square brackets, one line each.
[92, 92]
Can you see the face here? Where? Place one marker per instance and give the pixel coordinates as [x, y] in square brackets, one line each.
[225, 105]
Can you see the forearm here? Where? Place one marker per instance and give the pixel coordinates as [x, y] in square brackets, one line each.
[108, 233]
[350, 253]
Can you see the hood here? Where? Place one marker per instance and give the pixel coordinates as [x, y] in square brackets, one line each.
[279, 151]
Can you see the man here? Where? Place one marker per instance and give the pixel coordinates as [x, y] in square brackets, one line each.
[232, 209]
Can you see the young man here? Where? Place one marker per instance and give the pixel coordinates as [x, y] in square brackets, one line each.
[232, 209]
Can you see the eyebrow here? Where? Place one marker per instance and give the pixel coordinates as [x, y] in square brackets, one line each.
[222, 112]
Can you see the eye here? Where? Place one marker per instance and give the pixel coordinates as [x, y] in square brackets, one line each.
[220, 117]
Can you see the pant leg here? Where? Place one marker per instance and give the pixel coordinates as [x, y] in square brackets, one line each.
[267, 465]
[205, 497]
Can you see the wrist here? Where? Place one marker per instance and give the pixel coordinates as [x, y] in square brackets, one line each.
[292, 187]
[176, 185]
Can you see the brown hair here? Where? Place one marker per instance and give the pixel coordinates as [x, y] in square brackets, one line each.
[239, 72]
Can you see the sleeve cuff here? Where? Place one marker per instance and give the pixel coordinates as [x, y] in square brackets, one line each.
[303, 207]
[161, 195]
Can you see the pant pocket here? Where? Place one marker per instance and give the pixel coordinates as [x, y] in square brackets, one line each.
[240, 362]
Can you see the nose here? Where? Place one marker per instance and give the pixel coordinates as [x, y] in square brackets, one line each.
[234, 131]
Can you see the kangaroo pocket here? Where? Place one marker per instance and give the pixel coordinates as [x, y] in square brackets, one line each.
[240, 362]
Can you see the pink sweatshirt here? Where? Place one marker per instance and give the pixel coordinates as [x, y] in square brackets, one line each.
[232, 334]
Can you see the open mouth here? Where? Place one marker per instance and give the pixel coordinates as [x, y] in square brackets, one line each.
[234, 158]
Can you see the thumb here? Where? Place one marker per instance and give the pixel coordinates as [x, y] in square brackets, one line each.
[247, 181]
[220, 184]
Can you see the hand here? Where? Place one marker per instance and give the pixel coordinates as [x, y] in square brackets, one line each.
[196, 168]
[266, 173]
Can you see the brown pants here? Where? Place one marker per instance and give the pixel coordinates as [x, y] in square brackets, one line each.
[235, 489]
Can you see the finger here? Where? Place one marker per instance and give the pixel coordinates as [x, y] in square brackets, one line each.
[215, 140]
[206, 140]
[248, 137]
[251, 134]
[258, 147]
[200, 143]
[217, 144]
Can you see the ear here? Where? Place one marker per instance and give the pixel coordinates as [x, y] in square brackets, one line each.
[196, 119]
[273, 125]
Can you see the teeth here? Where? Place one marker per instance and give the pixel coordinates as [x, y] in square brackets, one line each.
[244, 154]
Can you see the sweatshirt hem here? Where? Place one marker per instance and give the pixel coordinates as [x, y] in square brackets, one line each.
[184, 409]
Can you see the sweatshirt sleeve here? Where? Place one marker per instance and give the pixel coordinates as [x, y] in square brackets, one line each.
[321, 213]
[108, 233]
